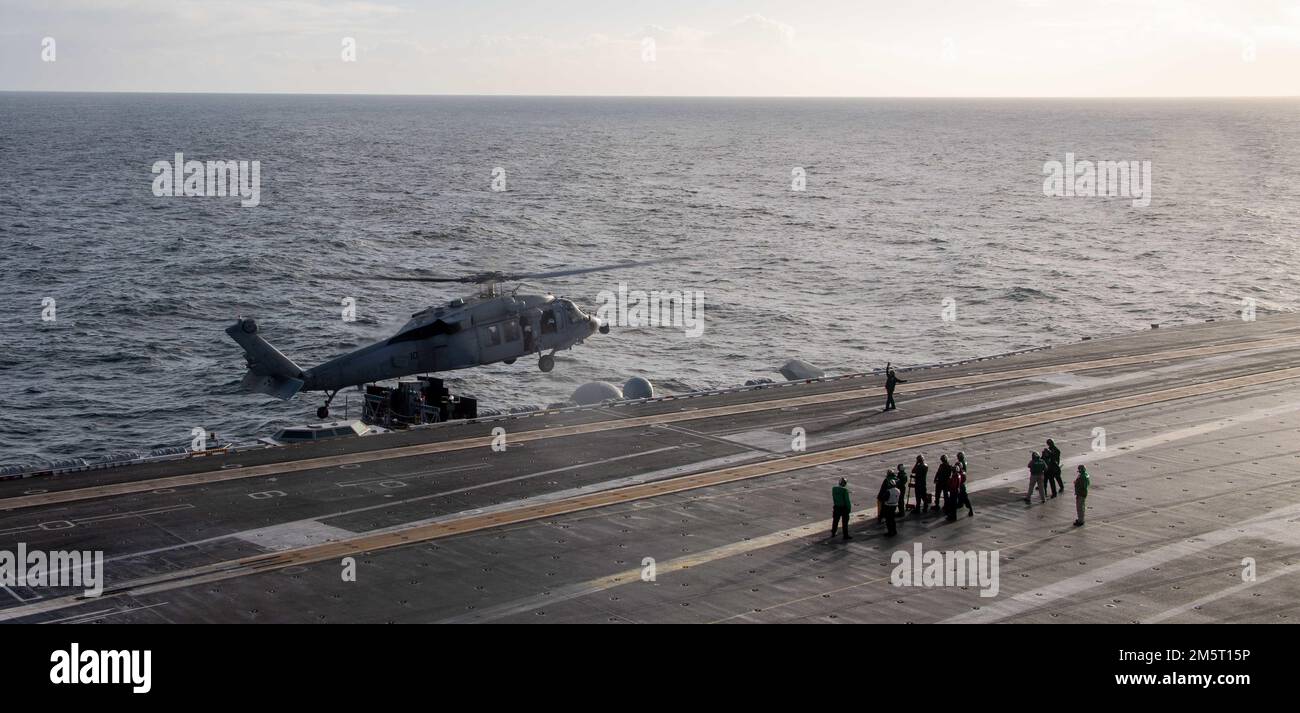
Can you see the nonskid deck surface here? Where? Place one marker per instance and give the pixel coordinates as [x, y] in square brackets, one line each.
[1200, 470]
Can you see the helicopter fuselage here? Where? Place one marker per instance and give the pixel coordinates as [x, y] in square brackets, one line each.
[466, 332]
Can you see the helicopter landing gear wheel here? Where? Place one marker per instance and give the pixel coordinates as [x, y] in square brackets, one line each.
[509, 361]
[324, 411]
[546, 363]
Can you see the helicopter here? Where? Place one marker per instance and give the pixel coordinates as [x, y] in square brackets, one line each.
[488, 327]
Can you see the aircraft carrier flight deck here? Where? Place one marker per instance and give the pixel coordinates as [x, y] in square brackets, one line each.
[716, 507]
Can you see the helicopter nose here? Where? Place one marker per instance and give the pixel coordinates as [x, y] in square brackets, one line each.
[598, 324]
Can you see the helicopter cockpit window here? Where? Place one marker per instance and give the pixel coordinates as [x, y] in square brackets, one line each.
[548, 322]
[491, 335]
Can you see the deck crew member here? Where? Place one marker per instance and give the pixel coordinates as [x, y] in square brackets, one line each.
[963, 498]
[1054, 468]
[891, 381]
[919, 471]
[883, 496]
[941, 476]
[841, 508]
[892, 499]
[1037, 469]
[1081, 485]
[956, 482]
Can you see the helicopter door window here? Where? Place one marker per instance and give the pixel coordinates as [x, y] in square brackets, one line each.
[511, 329]
[492, 335]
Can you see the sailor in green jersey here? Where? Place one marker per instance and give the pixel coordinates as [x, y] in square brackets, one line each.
[841, 507]
[1081, 485]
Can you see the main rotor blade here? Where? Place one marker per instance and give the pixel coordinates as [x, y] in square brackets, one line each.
[582, 270]
[422, 279]
[495, 276]
[470, 279]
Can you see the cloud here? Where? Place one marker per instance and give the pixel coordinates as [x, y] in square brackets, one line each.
[753, 33]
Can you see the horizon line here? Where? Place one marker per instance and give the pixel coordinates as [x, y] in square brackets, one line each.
[657, 96]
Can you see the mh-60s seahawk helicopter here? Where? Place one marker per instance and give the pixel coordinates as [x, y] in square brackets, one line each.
[488, 327]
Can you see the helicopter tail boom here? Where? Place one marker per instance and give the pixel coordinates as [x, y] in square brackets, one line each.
[269, 371]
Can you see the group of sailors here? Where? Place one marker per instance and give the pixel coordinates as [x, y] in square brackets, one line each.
[950, 489]
[1045, 469]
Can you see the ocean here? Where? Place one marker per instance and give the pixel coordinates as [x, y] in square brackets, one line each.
[922, 234]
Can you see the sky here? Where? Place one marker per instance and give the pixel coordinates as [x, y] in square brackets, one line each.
[896, 48]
